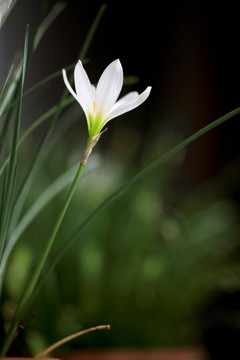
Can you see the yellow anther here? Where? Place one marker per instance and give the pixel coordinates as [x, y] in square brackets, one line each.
[94, 105]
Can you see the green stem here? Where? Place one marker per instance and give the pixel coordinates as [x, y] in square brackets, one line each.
[10, 176]
[34, 279]
[36, 275]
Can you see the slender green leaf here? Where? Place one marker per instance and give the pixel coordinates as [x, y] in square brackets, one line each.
[92, 31]
[10, 89]
[29, 289]
[52, 15]
[41, 30]
[7, 201]
[8, 118]
[139, 176]
[16, 229]
[34, 126]
[5, 84]
[52, 190]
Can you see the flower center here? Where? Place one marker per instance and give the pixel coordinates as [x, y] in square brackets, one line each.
[94, 106]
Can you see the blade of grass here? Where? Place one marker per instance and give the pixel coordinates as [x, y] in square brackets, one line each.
[40, 32]
[8, 117]
[50, 18]
[139, 176]
[72, 116]
[47, 79]
[46, 196]
[34, 126]
[92, 31]
[11, 89]
[26, 295]
[6, 83]
[7, 202]
[31, 285]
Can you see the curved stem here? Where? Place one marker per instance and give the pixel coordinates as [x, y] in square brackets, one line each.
[69, 338]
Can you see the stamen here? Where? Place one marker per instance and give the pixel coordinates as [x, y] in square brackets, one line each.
[94, 105]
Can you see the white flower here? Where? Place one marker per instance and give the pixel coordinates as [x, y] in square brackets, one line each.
[100, 103]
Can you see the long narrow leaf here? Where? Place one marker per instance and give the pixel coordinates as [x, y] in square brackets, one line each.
[15, 229]
[8, 117]
[139, 176]
[52, 190]
[92, 31]
[52, 15]
[11, 87]
[5, 84]
[43, 27]
[34, 278]
[34, 126]
[7, 205]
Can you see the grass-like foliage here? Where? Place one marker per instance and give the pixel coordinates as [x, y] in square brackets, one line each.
[108, 244]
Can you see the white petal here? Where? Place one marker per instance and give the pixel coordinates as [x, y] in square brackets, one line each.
[65, 79]
[109, 86]
[128, 102]
[84, 89]
[125, 99]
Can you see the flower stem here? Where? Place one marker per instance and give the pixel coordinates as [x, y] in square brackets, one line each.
[90, 145]
[34, 279]
[28, 291]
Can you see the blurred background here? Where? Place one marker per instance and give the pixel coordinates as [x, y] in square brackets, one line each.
[161, 264]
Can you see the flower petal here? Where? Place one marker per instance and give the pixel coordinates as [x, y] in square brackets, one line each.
[125, 99]
[65, 79]
[128, 102]
[109, 87]
[84, 89]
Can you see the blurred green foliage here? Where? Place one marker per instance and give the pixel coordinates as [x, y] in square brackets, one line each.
[145, 265]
